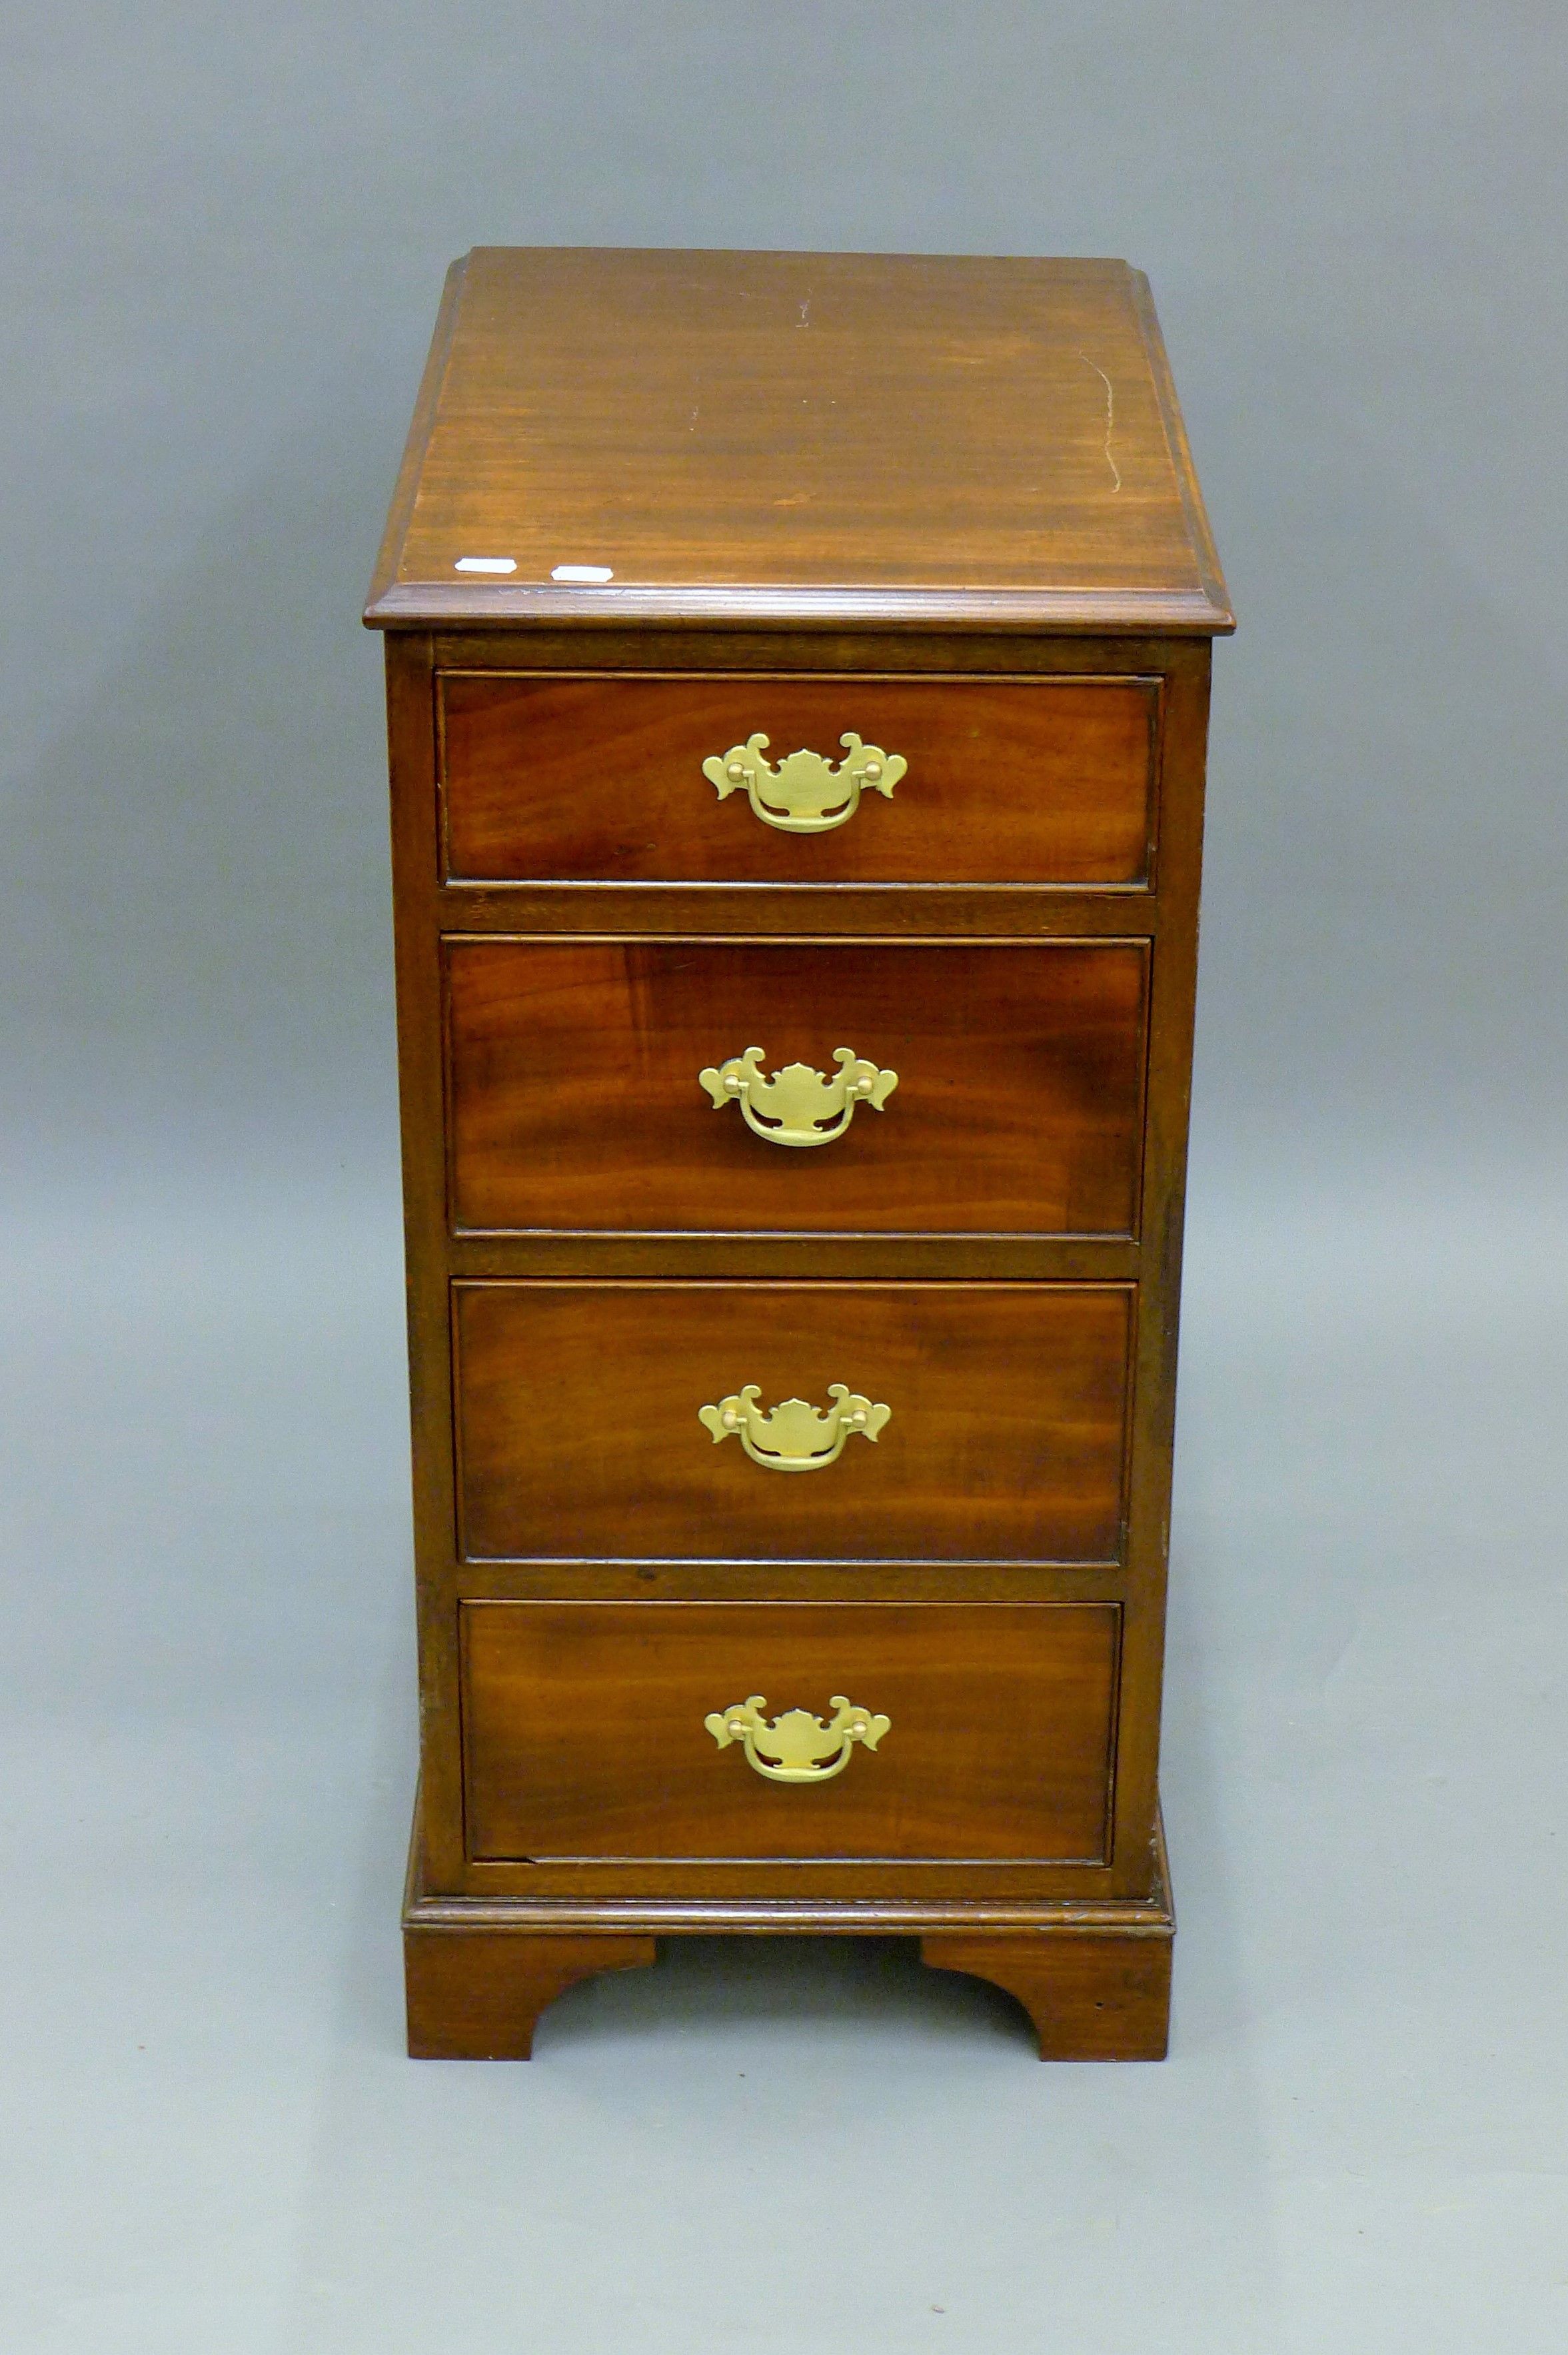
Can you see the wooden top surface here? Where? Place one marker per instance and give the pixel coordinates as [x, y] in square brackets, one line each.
[758, 438]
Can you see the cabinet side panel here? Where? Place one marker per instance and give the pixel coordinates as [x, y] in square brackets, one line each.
[412, 747]
[1169, 1096]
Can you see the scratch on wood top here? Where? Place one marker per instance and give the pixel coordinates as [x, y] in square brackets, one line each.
[1110, 417]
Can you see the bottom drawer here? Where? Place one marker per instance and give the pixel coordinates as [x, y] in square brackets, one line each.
[601, 1731]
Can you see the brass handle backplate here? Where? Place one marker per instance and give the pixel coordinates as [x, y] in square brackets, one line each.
[797, 1747]
[805, 793]
[796, 1437]
[799, 1105]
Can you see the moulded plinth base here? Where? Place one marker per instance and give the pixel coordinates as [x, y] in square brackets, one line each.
[1094, 1977]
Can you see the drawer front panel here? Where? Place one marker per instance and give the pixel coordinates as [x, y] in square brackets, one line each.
[580, 1436]
[602, 780]
[576, 1102]
[585, 1731]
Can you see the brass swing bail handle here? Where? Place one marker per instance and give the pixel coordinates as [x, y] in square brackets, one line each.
[799, 1105]
[805, 793]
[797, 1747]
[796, 1437]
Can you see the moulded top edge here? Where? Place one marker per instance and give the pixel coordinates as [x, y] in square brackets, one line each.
[511, 605]
[711, 438]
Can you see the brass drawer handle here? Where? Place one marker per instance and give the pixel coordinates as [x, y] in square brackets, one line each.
[804, 794]
[797, 1747]
[796, 1437]
[799, 1105]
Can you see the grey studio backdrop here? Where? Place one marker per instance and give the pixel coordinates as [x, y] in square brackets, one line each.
[226, 232]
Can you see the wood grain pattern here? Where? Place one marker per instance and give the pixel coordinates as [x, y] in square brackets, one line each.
[802, 436]
[476, 1995]
[579, 1432]
[574, 1102]
[791, 1897]
[1090, 1997]
[584, 1734]
[412, 751]
[594, 779]
[948, 503]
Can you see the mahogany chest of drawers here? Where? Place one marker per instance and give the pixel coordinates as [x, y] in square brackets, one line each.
[797, 676]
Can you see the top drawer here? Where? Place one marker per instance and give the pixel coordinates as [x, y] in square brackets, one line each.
[661, 780]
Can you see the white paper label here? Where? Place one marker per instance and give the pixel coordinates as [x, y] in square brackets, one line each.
[584, 573]
[486, 564]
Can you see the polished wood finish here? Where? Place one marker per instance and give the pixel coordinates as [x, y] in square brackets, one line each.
[584, 1736]
[578, 1431]
[957, 493]
[591, 779]
[476, 1995]
[1018, 1110]
[1094, 1983]
[1090, 1997]
[803, 437]
[827, 905]
[792, 1898]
